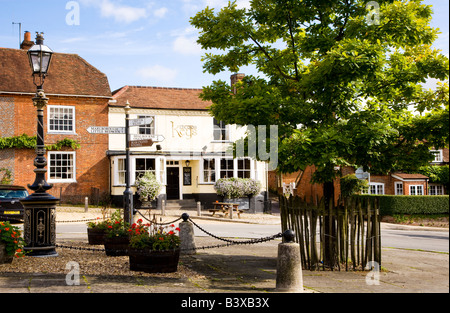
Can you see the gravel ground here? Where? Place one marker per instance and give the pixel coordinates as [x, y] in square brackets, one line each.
[96, 262]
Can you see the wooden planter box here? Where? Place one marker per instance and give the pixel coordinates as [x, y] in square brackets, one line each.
[150, 261]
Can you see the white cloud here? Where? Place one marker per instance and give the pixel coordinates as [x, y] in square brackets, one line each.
[121, 13]
[158, 73]
[187, 45]
[160, 13]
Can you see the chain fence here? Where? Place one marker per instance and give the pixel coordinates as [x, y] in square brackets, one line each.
[185, 217]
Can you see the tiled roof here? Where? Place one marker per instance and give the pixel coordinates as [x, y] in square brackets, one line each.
[69, 74]
[410, 176]
[160, 98]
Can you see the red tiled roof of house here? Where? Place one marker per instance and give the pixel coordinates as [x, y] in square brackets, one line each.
[160, 98]
[69, 74]
[411, 176]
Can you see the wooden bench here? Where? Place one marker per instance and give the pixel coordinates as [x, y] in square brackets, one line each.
[226, 208]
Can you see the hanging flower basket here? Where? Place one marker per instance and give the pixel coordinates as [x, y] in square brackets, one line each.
[148, 188]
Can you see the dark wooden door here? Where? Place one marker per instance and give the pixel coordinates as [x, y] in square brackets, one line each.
[173, 183]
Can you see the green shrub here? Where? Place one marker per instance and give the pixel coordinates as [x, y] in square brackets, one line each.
[390, 205]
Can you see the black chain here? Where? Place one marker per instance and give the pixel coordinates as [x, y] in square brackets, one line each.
[156, 223]
[251, 241]
[79, 248]
[77, 221]
[228, 243]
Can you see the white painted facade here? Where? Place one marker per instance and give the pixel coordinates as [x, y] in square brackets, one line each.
[193, 155]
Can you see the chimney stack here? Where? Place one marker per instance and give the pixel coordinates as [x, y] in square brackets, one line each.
[235, 78]
[27, 42]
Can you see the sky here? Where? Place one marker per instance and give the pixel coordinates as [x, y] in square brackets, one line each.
[136, 42]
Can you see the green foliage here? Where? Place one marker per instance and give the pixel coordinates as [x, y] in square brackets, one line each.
[19, 142]
[337, 88]
[11, 236]
[6, 178]
[116, 226]
[70, 143]
[438, 174]
[26, 142]
[350, 185]
[392, 205]
[148, 236]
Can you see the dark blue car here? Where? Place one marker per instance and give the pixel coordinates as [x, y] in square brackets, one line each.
[10, 207]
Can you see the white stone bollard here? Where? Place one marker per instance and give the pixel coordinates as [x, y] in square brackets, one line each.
[289, 265]
[199, 208]
[187, 236]
[86, 204]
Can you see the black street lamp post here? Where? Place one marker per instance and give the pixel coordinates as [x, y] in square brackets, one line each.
[39, 207]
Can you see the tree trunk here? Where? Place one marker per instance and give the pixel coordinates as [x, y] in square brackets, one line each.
[330, 226]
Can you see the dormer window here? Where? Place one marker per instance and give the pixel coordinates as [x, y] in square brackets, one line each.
[438, 156]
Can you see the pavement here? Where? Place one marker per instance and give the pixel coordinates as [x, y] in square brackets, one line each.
[239, 269]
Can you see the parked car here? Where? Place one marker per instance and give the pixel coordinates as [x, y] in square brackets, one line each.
[10, 207]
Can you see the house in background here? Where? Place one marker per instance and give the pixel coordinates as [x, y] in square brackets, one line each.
[78, 98]
[194, 151]
[396, 183]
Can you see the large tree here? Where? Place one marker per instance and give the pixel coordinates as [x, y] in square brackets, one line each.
[342, 80]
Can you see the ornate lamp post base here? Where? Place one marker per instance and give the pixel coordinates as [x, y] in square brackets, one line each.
[40, 225]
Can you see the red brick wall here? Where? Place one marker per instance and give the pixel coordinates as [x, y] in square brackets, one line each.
[92, 165]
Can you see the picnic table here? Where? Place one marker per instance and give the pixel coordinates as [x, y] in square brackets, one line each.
[226, 209]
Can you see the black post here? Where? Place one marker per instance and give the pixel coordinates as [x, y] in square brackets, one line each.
[39, 207]
[128, 193]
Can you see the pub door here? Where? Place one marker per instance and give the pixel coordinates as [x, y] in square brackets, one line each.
[173, 183]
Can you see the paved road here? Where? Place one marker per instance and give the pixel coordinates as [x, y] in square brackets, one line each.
[391, 236]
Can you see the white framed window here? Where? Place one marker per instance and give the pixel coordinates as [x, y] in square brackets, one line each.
[62, 167]
[416, 190]
[120, 172]
[148, 129]
[436, 190]
[61, 119]
[209, 170]
[221, 131]
[143, 165]
[398, 188]
[438, 157]
[226, 168]
[376, 188]
[244, 168]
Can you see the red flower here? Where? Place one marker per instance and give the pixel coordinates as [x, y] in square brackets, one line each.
[177, 229]
[110, 227]
[171, 232]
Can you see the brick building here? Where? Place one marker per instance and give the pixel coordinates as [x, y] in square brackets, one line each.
[396, 183]
[78, 98]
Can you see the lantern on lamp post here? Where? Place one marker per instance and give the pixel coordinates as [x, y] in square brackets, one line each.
[39, 207]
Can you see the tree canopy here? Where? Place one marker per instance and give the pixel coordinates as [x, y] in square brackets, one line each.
[344, 87]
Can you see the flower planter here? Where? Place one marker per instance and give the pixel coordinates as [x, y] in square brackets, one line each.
[150, 261]
[96, 236]
[4, 257]
[116, 246]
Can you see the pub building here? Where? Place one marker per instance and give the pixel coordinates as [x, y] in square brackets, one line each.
[190, 152]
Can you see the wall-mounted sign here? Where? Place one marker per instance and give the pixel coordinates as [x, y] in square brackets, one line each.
[141, 143]
[187, 131]
[105, 130]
